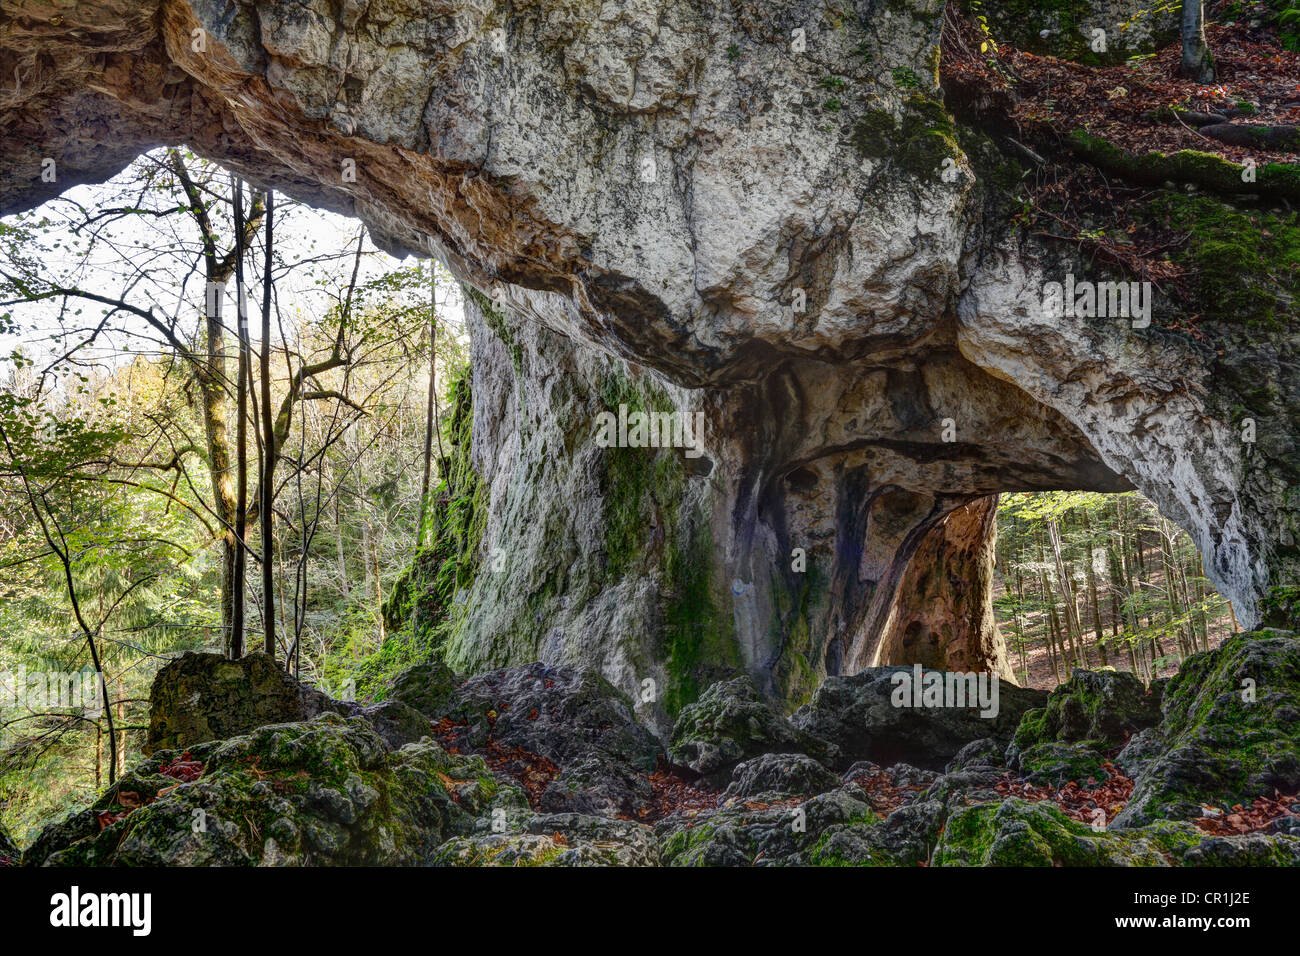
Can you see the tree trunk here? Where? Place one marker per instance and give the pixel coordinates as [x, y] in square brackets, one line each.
[1073, 629]
[241, 438]
[1197, 64]
[268, 448]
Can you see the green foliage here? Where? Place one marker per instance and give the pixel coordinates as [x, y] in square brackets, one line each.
[905, 78]
[426, 602]
[1245, 265]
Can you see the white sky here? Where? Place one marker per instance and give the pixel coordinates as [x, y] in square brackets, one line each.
[300, 233]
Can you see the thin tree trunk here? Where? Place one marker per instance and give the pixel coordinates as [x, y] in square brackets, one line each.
[1196, 64]
[265, 512]
[1091, 577]
[241, 436]
[1072, 626]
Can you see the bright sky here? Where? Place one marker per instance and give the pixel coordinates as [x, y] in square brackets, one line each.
[173, 286]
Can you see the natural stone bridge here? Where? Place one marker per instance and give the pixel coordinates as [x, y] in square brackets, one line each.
[666, 216]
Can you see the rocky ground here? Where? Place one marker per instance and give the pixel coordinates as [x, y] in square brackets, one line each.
[545, 765]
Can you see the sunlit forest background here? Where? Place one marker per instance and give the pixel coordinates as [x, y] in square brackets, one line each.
[114, 533]
[1100, 580]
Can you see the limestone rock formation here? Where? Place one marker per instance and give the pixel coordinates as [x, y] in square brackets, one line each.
[860, 716]
[199, 698]
[1230, 731]
[324, 792]
[474, 792]
[762, 214]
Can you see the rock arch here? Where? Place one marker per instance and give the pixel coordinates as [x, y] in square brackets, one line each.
[655, 187]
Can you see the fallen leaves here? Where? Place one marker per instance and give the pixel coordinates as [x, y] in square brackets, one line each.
[673, 793]
[1076, 802]
[884, 796]
[184, 768]
[1258, 816]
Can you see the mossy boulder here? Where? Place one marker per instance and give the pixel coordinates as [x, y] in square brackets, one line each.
[428, 687]
[1021, 833]
[564, 839]
[1065, 28]
[323, 792]
[202, 697]
[1104, 708]
[769, 833]
[1058, 764]
[730, 723]
[858, 715]
[779, 775]
[1230, 730]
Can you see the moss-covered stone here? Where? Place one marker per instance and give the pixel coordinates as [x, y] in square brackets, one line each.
[202, 697]
[323, 792]
[920, 142]
[1064, 28]
[1021, 833]
[1058, 764]
[1103, 708]
[566, 839]
[1230, 732]
[731, 722]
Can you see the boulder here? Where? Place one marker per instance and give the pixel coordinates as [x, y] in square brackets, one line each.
[559, 712]
[858, 716]
[1058, 764]
[1104, 707]
[565, 839]
[730, 723]
[203, 697]
[322, 792]
[779, 775]
[1020, 833]
[427, 687]
[1230, 731]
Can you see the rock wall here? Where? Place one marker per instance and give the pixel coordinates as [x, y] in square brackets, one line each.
[760, 213]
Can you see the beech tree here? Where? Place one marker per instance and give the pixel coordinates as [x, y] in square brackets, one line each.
[1197, 61]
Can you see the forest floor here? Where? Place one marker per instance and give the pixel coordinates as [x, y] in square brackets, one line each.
[1039, 106]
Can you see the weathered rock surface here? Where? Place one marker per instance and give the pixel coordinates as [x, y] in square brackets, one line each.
[1092, 713]
[730, 723]
[562, 713]
[780, 775]
[565, 839]
[331, 791]
[1230, 731]
[678, 212]
[858, 716]
[201, 697]
[324, 792]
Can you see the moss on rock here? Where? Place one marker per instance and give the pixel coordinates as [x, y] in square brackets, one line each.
[1230, 733]
[323, 792]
